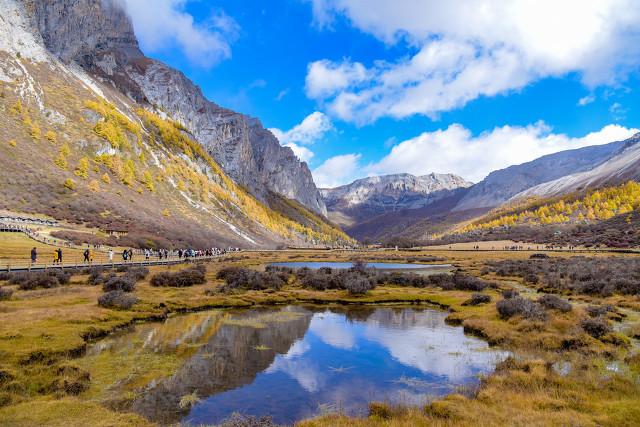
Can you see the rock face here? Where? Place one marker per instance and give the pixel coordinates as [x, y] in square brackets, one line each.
[99, 36]
[500, 186]
[377, 195]
[624, 166]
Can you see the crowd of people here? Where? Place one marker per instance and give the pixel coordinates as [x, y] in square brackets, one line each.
[128, 255]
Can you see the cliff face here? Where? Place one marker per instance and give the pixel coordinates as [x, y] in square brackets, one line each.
[99, 37]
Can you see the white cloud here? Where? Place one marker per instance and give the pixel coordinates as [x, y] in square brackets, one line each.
[280, 96]
[456, 150]
[469, 49]
[586, 100]
[311, 130]
[167, 25]
[337, 171]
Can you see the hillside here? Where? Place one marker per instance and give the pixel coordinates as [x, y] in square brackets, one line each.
[78, 149]
[607, 216]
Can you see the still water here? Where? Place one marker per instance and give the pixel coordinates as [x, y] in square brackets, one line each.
[378, 265]
[293, 363]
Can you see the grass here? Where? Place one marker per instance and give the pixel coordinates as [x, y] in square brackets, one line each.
[43, 330]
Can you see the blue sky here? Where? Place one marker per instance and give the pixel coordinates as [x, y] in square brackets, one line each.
[410, 86]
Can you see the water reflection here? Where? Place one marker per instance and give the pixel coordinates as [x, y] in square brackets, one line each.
[293, 362]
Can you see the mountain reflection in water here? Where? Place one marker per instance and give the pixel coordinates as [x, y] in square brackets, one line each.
[292, 363]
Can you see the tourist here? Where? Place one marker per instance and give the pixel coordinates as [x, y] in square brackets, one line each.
[125, 255]
[55, 257]
[110, 255]
[86, 255]
[59, 256]
[34, 256]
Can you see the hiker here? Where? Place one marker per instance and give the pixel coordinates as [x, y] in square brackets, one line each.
[55, 256]
[59, 256]
[110, 255]
[131, 254]
[125, 255]
[34, 256]
[86, 255]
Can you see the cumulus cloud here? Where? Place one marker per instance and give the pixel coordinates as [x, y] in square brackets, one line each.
[169, 26]
[337, 170]
[469, 49]
[311, 130]
[456, 150]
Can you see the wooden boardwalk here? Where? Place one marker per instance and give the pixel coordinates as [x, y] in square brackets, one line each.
[18, 265]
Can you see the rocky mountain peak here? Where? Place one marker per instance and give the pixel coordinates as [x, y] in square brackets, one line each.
[98, 36]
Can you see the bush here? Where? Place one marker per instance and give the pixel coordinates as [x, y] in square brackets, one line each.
[519, 306]
[599, 310]
[509, 293]
[5, 294]
[477, 299]
[539, 256]
[188, 277]
[357, 284]
[552, 302]
[237, 278]
[123, 283]
[578, 275]
[137, 273]
[596, 327]
[44, 279]
[117, 299]
[465, 282]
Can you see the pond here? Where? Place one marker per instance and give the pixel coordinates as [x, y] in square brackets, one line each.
[344, 265]
[291, 363]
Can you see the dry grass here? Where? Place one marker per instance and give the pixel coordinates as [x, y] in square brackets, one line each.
[50, 327]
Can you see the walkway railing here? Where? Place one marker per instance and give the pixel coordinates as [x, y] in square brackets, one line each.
[77, 262]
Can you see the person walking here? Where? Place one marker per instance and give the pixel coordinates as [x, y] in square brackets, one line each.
[86, 255]
[55, 257]
[59, 255]
[34, 256]
[111, 255]
[130, 254]
[125, 255]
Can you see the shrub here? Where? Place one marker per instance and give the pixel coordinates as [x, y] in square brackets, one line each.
[465, 282]
[5, 294]
[477, 299]
[599, 310]
[137, 273]
[539, 256]
[243, 278]
[117, 299]
[188, 277]
[596, 327]
[357, 284]
[43, 279]
[552, 302]
[70, 184]
[519, 306]
[509, 293]
[123, 283]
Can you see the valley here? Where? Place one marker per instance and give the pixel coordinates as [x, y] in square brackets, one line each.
[426, 228]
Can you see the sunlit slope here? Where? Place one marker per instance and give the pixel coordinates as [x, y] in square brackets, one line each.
[78, 151]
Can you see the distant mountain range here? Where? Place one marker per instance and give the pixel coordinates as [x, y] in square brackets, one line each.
[405, 206]
[368, 197]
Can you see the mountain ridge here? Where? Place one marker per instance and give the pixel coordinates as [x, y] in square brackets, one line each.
[99, 37]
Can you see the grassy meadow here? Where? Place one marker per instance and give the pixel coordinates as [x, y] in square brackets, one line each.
[45, 379]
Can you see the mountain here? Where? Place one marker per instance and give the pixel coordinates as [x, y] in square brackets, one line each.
[624, 166]
[350, 204]
[95, 134]
[502, 185]
[98, 36]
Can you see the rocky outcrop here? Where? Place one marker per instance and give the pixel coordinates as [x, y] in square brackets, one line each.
[98, 36]
[381, 194]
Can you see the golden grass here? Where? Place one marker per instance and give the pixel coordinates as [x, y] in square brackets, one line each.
[50, 327]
